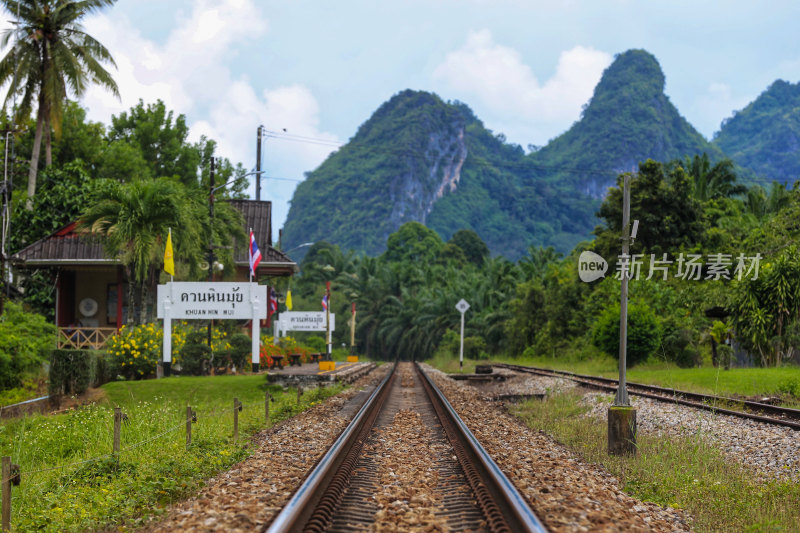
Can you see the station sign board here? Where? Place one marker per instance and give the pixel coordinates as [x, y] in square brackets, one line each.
[304, 321]
[212, 300]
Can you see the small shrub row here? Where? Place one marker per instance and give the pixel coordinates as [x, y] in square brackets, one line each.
[134, 352]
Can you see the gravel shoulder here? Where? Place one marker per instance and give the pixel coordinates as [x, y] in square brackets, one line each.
[771, 452]
[567, 493]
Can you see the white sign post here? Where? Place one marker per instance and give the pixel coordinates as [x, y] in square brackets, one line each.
[462, 307]
[211, 300]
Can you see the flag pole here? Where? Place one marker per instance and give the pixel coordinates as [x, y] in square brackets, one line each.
[250, 253]
[173, 255]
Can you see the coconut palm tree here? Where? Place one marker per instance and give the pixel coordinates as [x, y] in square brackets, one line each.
[709, 182]
[50, 56]
[134, 219]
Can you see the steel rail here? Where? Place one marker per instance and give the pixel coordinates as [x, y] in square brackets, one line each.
[504, 495]
[297, 513]
[703, 401]
[312, 506]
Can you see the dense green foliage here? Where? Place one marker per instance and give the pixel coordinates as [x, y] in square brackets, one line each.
[25, 343]
[764, 136]
[643, 332]
[118, 174]
[406, 298]
[134, 219]
[670, 218]
[50, 55]
[69, 373]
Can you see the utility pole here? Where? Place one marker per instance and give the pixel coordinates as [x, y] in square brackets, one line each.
[259, 131]
[462, 307]
[622, 391]
[211, 222]
[5, 190]
[621, 416]
[210, 240]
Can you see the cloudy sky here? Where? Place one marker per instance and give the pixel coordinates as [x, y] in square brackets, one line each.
[318, 69]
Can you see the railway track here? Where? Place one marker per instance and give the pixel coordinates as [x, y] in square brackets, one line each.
[406, 460]
[762, 412]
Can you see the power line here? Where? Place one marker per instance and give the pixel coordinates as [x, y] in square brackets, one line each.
[301, 138]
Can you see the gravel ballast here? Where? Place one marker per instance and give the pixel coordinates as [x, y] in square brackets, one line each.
[770, 451]
[566, 493]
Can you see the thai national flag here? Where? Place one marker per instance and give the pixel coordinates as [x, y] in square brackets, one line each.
[255, 254]
[272, 305]
[325, 302]
[273, 302]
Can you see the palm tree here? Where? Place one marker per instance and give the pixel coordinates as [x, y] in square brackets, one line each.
[759, 202]
[134, 219]
[49, 56]
[712, 182]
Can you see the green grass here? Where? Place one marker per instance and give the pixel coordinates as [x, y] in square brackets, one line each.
[685, 473]
[70, 484]
[783, 382]
[31, 388]
[450, 365]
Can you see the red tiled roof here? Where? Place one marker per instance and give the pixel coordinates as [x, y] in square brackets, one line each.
[65, 247]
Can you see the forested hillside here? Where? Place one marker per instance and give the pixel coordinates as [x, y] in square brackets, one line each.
[628, 120]
[765, 135]
[421, 159]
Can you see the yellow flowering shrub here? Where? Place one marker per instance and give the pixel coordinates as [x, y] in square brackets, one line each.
[134, 351]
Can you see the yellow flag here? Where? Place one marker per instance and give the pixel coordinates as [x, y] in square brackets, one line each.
[289, 300]
[169, 263]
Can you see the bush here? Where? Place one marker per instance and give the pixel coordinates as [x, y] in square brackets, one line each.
[26, 340]
[644, 333]
[474, 348]
[70, 373]
[678, 347]
[195, 356]
[316, 343]
[725, 354]
[134, 351]
[99, 370]
[240, 351]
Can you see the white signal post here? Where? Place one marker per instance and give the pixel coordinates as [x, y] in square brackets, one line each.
[462, 306]
[328, 344]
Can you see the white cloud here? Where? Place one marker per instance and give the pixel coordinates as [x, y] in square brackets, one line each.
[189, 71]
[233, 124]
[497, 78]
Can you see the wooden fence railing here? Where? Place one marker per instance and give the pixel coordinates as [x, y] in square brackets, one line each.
[84, 338]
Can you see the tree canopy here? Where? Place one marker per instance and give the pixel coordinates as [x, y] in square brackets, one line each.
[50, 56]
